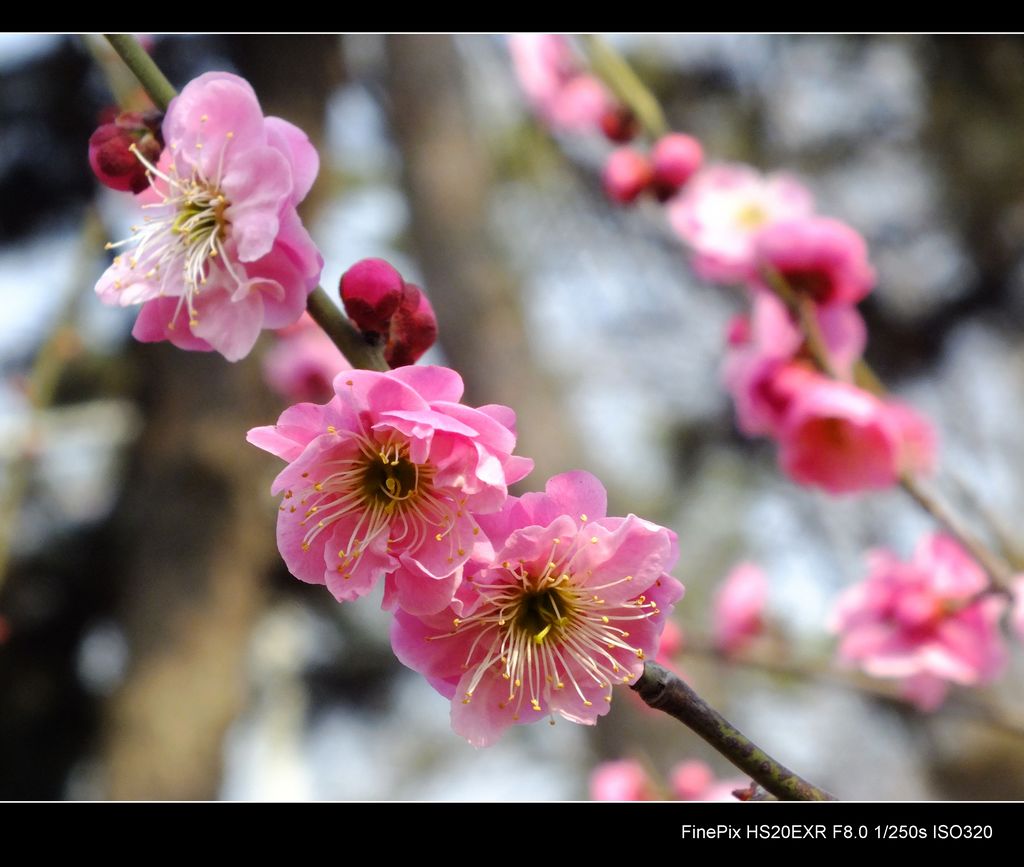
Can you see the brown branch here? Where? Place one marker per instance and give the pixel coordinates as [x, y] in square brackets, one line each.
[665, 691]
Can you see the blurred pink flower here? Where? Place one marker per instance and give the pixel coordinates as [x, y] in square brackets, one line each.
[843, 439]
[722, 210]
[764, 369]
[693, 780]
[303, 362]
[390, 472]
[671, 644]
[922, 620]
[571, 604]
[818, 257]
[1018, 606]
[221, 252]
[622, 780]
[550, 73]
[739, 604]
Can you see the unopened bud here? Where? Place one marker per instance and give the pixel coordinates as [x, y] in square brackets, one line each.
[626, 175]
[675, 158]
[372, 292]
[110, 149]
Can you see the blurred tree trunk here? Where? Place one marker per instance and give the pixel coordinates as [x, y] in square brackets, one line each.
[197, 519]
[448, 183]
[196, 528]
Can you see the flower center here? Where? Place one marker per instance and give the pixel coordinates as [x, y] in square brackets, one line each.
[549, 632]
[182, 236]
[393, 479]
[387, 500]
[751, 216]
[541, 611]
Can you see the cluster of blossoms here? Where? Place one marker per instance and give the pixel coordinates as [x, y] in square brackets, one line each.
[692, 780]
[927, 622]
[515, 608]
[763, 233]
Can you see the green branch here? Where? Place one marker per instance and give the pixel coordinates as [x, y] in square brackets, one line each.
[135, 57]
[614, 71]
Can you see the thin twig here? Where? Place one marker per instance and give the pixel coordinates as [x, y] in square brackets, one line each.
[135, 57]
[615, 71]
[329, 317]
[967, 708]
[665, 691]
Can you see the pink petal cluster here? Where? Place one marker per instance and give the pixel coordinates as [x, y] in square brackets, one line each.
[628, 780]
[843, 439]
[739, 607]
[831, 434]
[927, 622]
[693, 780]
[221, 252]
[562, 94]
[723, 209]
[571, 603]
[818, 257]
[622, 780]
[390, 474]
[303, 362]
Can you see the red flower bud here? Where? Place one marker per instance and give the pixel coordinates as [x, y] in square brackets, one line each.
[372, 291]
[626, 175]
[675, 158]
[619, 124]
[413, 328]
[110, 149]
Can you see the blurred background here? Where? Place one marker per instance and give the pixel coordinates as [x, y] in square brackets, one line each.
[152, 645]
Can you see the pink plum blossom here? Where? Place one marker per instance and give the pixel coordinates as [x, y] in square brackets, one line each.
[739, 605]
[671, 644]
[550, 73]
[818, 257]
[571, 604]
[693, 780]
[723, 209]
[764, 365]
[303, 363]
[221, 252]
[924, 620]
[841, 438]
[390, 473]
[622, 780]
